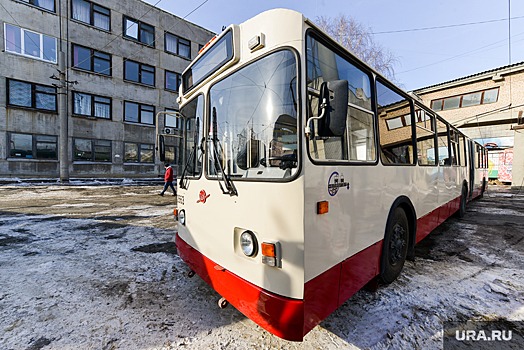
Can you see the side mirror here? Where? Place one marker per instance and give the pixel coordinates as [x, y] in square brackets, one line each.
[334, 102]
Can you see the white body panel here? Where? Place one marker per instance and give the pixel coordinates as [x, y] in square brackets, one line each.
[285, 212]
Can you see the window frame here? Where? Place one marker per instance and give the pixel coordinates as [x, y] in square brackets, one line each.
[431, 117]
[139, 153]
[22, 45]
[334, 47]
[178, 79]
[32, 3]
[411, 124]
[92, 11]
[34, 146]
[93, 104]
[93, 150]
[177, 120]
[92, 59]
[447, 138]
[34, 93]
[442, 100]
[185, 43]
[141, 69]
[140, 111]
[140, 26]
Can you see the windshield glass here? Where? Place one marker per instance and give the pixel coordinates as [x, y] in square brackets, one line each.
[190, 159]
[253, 121]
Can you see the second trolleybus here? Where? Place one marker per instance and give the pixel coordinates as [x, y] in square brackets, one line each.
[305, 174]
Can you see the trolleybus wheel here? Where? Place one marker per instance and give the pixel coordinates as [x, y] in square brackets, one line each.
[395, 246]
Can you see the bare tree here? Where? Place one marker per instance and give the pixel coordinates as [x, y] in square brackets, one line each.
[359, 40]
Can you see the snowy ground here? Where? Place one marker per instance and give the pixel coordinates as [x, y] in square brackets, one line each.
[94, 267]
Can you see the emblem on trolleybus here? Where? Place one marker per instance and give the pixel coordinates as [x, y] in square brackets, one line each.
[335, 182]
[202, 196]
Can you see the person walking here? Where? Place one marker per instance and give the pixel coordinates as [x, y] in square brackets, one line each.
[168, 180]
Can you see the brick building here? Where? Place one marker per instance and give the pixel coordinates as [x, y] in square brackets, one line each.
[487, 107]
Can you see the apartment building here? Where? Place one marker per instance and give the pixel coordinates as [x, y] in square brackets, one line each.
[82, 83]
[488, 107]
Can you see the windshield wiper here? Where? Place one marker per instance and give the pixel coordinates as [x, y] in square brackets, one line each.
[230, 187]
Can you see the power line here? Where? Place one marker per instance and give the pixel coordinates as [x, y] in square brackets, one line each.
[446, 26]
[459, 55]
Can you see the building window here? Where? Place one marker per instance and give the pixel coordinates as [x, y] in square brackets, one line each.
[177, 45]
[138, 153]
[91, 150]
[91, 60]
[32, 146]
[139, 113]
[31, 95]
[171, 121]
[30, 44]
[91, 105]
[45, 4]
[139, 31]
[172, 81]
[466, 100]
[139, 72]
[93, 14]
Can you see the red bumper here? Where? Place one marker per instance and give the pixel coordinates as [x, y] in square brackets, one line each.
[279, 315]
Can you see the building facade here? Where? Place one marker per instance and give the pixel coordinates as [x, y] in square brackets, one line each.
[82, 83]
[488, 107]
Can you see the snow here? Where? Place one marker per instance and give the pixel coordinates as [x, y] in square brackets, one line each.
[79, 269]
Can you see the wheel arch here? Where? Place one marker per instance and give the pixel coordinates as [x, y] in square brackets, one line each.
[405, 204]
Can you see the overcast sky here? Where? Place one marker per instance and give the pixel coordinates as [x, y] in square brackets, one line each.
[425, 57]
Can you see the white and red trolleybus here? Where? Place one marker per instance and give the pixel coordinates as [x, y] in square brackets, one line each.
[306, 174]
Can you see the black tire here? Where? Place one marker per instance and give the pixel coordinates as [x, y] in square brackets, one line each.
[395, 246]
[463, 200]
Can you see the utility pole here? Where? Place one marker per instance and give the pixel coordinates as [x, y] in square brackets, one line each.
[63, 115]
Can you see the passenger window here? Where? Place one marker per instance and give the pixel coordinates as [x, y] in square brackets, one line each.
[462, 151]
[443, 145]
[454, 143]
[358, 141]
[396, 143]
[425, 131]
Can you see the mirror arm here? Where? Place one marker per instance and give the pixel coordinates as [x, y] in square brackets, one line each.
[323, 106]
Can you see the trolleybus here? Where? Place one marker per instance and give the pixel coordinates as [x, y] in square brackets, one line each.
[306, 174]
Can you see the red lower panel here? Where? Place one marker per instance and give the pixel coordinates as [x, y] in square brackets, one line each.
[430, 221]
[326, 292]
[281, 316]
[290, 318]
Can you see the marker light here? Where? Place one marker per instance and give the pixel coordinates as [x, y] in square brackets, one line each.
[248, 242]
[322, 207]
[269, 254]
[175, 213]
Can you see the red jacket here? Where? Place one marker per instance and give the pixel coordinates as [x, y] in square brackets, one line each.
[168, 176]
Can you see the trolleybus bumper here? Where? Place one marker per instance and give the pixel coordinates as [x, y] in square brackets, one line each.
[279, 315]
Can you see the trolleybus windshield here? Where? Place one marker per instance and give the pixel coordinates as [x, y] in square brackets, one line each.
[254, 120]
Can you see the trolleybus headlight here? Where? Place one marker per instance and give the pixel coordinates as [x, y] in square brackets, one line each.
[182, 217]
[249, 244]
